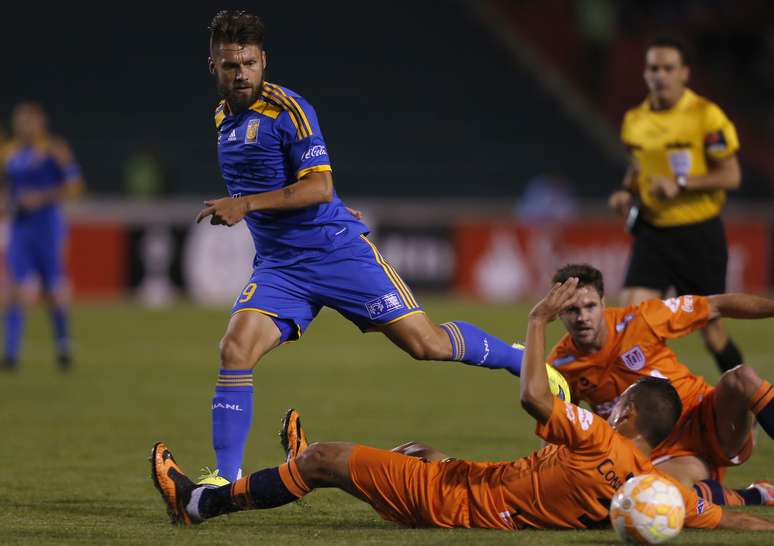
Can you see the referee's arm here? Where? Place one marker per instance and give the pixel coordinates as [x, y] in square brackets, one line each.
[722, 174]
[621, 200]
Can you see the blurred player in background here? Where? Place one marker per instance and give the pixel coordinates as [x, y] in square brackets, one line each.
[564, 486]
[39, 173]
[683, 160]
[607, 349]
[310, 250]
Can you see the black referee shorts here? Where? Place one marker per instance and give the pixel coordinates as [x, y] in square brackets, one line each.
[691, 258]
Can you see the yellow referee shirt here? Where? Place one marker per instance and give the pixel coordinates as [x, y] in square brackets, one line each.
[678, 141]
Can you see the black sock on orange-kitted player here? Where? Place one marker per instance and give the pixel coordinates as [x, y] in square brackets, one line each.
[712, 491]
[267, 488]
[728, 357]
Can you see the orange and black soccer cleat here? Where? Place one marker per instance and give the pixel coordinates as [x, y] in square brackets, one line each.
[174, 486]
[292, 435]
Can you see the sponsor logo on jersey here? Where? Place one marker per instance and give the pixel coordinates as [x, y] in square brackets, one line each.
[383, 305]
[314, 151]
[606, 470]
[621, 325]
[232, 136]
[251, 135]
[634, 358]
[564, 360]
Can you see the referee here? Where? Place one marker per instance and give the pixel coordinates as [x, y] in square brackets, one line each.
[683, 160]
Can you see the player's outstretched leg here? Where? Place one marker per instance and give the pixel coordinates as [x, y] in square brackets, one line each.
[457, 341]
[321, 465]
[760, 493]
[738, 393]
[722, 348]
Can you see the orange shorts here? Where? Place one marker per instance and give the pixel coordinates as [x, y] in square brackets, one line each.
[696, 434]
[413, 493]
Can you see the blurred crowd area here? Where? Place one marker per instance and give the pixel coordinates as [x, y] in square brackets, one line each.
[599, 45]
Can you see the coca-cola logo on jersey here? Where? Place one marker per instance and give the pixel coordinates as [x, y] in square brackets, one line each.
[314, 151]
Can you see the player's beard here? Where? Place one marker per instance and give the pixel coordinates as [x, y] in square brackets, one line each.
[239, 102]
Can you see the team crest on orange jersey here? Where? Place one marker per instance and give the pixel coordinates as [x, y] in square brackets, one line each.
[634, 358]
[251, 135]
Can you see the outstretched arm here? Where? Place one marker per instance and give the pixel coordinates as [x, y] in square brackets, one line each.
[744, 522]
[741, 306]
[313, 189]
[536, 397]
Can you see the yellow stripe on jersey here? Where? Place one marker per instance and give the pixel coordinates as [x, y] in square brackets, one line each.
[220, 113]
[266, 108]
[294, 104]
[381, 262]
[316, 169]
[297, 116]
[293, 116]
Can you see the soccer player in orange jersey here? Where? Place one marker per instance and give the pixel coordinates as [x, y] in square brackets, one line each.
[563, 486]
[606, 349]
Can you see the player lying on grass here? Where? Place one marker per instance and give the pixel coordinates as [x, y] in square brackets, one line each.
[567, 485]
[608, 349]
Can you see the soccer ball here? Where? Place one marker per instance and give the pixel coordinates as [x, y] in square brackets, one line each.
[558, 384]
[647, 509]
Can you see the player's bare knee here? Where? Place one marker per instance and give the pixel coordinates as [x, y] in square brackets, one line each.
[741, 381]
[315, 462]
[235, 354]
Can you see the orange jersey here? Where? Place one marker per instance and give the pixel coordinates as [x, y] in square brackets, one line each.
[568, 485]
[635, 347]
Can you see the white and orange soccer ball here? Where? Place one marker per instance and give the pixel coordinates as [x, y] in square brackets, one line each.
[647, 509]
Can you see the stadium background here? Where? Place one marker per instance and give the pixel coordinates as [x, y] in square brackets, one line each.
[480, 140]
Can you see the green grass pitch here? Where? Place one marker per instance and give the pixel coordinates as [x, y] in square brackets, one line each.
[73, 448]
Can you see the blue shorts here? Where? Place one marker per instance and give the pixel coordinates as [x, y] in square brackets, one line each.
[36, 246]
[354, 279]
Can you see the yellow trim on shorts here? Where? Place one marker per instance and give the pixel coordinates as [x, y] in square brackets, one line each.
[392, 274]
[255, 310]
[400, 318]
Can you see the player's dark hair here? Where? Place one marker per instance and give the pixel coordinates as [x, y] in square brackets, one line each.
[236, 27]
[587, 276]
[674, 42]
[658, 408]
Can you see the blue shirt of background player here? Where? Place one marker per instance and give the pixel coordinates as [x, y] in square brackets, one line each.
[35, 168]
[271, 145]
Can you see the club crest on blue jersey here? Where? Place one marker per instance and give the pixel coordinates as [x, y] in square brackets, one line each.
[634, 358]
[383, 305]
[251, 135]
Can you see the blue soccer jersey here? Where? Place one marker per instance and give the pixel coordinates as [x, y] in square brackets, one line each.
[38, 234]
[271, 145]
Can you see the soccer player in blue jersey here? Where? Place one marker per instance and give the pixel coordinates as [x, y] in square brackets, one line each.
[39, 172]
[310, 250]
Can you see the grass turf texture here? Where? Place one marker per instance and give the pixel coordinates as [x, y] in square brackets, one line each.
[74, 446]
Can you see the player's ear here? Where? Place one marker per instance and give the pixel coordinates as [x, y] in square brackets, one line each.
[211, 65]
[264, 58]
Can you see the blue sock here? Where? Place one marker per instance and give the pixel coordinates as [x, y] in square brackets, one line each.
[61, 324]
[472, 345]
[14, 324]
[232, 414]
